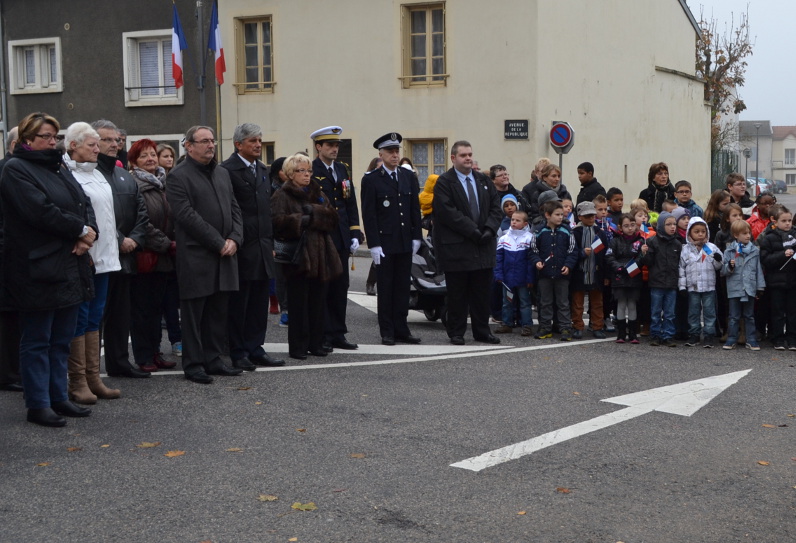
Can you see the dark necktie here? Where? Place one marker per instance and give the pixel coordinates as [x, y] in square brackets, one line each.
[331, 173]
[395, 180]
[471, 196]
[253, 168]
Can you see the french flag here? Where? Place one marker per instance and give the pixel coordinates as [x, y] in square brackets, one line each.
[706, 251]
[633, 269]
[645, 230]
[597, 246]
[178, 43]
[215, 44]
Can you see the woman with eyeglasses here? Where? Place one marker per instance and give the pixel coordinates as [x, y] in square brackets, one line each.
[48, 228]
[303, 219]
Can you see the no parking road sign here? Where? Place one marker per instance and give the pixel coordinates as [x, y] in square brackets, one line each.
[562, 137]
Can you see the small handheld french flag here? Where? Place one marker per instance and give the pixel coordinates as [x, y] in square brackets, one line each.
[633, 269]
[645, 230]
[509, 293]
[597, 245]
[706, 252]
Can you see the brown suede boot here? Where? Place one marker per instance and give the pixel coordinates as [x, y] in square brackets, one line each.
[78, 388]
[92, 369]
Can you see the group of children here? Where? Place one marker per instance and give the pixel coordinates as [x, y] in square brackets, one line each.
[618, 259]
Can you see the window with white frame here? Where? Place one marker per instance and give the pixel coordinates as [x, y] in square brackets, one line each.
[428, 156]
[790, 179]
[790, 157]
[34, 66]
[148, 77]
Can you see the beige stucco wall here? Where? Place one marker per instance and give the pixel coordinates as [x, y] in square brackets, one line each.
[586, 62]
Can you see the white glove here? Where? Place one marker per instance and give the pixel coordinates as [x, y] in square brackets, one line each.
[376, 253]
[354, 245]
[415, 246]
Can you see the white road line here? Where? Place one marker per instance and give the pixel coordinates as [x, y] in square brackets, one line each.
[469, 354]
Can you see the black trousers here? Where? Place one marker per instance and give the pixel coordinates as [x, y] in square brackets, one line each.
[204, 327]
[392, 283]
[468, 293]
[116, 322]
[305, 312]
[9, 347]
[248, 319]
[147, 291]
[337, 302]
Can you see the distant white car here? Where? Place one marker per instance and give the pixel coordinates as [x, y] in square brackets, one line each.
[757, 187]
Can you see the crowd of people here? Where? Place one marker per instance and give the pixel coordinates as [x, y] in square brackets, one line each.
[101, 244]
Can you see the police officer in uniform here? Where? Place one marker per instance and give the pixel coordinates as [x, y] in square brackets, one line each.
[335, 180]
[391, 216]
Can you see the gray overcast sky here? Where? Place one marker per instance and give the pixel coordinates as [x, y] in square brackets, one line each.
[770, 76]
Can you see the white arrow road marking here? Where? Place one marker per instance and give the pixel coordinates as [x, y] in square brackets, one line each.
[681, 399]
[399, 349]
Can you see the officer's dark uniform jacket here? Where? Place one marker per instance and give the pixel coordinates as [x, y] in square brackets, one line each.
[342, 196]
[390, 210]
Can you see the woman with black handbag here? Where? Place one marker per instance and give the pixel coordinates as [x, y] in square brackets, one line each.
[303, 219]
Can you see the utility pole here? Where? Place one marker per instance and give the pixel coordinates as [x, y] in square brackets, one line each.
[201, 76]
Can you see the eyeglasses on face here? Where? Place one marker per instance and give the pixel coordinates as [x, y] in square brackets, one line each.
[111, 140]
[48, 137]
[303, 171]
[205, 142]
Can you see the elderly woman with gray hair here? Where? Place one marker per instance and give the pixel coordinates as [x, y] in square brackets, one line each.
[82, 149]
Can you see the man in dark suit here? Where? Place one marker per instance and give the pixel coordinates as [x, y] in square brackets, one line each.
[131, 224]
[248, 307]
[10, 378]
[466, 216]
[335, 180]
[391, 215]
[208, 230]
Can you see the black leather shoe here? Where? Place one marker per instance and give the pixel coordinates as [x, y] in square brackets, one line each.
[46, 417]
[317, 352]
[410, 339]
[488, 339]
[457, 340]
[342, 343]
[68, 409]
[224, 370]
[244, 364]
[12, 387]
[387, 340]
[199, 377]
[133, 373]
[267, 361]
[298, 356]
[328, 348]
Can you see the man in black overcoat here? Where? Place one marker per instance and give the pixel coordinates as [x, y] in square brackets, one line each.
[208, 231]
[248, 306]
[467, 215]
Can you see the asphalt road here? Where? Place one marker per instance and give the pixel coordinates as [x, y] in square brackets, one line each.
[369, 438]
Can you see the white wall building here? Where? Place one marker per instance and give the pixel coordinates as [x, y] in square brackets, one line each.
[619, 71]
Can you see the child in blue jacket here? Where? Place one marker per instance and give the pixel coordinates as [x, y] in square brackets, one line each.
[745, 281]
[554, 255]
[515, 274]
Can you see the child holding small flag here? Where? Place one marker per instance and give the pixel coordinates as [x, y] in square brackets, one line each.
[605, 223]
[553, 253]
[587, 277]
[777, 246]
[744, 282]
[663, 261]
[699, 261]
[623, 260]
[515, 273]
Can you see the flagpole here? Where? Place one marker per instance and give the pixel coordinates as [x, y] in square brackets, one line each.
[200, 84]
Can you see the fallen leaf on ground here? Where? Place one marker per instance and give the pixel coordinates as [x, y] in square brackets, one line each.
[234, 449]
[244, 388]
[576, 393]
[344, 489]
[148, 445]
[172, 454]
[769, 426]
[258, 403]
[267, 498]
[293, 539]
[301, 429]
[782, 426]
[762, 462]
[42, 464]
[357, 455]
[309, 506]
[521, 512]
[74, 449]
[104, 446]
[794, 458]
[791, 415]
[563, 490]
